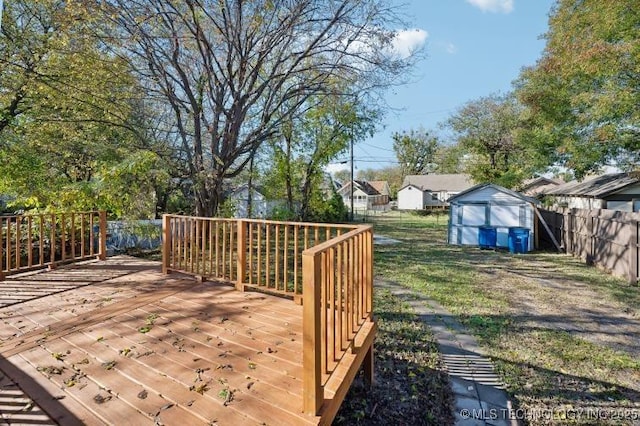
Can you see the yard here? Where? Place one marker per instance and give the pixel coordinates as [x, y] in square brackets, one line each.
[565, 337]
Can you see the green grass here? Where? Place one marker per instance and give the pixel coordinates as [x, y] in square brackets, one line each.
[410, 386]
[544, 366]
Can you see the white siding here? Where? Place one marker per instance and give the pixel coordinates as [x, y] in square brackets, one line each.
[504, 215]
[473, 214]
[489, 206]
[623, 206]
[259, 208]
[631, 190]
[488, 194]
[411, 198]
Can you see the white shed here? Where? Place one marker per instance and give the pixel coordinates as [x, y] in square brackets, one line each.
[490, 205]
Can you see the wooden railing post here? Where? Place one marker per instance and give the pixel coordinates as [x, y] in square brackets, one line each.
[102, 255]
[2, 244]
[313, 395]
[242, 254]
[166, 243]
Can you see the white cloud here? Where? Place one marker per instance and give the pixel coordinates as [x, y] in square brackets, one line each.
[495, 6]
[406, 42]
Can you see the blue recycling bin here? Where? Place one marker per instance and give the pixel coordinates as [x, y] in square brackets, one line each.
[518, 240]
[487, 237]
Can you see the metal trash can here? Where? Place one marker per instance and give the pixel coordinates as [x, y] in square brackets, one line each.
[487, 237]
[518, 240]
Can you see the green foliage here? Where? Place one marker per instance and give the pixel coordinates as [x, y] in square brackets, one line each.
[307, 144]
[283, 213]
[415, 151]
[227, 208]
[67, 119]
[488, 129]
[583, 94]
[330, 211]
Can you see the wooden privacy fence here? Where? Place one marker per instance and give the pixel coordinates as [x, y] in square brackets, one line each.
[46, 240]
[606, 238]
[326, 267]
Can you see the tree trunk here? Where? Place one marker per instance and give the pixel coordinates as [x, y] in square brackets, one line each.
[250, 189]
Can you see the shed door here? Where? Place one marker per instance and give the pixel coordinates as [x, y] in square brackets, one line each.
[505, 216]
[473, 214]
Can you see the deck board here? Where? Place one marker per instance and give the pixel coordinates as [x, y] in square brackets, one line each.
[204, 341]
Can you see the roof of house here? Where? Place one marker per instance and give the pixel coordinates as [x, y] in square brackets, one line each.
[497, 188]
[540, 185]
[245, 186]
[439, 182]
[379, 185]
[599, 186]
[541, 180]
[362, 185]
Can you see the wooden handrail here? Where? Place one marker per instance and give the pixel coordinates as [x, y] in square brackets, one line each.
[326, 267]
[338, 300]
[46, 240]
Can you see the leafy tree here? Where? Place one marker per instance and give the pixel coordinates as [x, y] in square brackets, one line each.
[236, 72]
[308, 144]
[70, 127]
[450, 159]
[583, 95]
[487, 130]
[343, 176]
[415, 151]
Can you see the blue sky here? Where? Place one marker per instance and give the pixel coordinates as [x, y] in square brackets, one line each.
[472, 48]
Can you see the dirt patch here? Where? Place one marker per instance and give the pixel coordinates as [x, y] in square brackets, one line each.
[541, 296]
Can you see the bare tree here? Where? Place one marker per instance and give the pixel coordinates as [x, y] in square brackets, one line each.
[234, 71]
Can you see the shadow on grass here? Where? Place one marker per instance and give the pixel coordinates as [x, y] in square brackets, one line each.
[410, 386]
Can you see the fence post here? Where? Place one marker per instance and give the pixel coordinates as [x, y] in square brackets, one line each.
[166, 243]
[242, 254]
[311, 333]
[102, 255]
[634, 249]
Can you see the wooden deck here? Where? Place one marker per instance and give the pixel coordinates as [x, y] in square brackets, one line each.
[117, 342]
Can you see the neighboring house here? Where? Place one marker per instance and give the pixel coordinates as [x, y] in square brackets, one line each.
[540, 186]
[489, 205]
[365, 196]
[260, 207]
[420, 191]
[382, 186]
[618, 191]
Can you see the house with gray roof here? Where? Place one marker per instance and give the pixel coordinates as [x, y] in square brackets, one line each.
[617, 191]
[540, 186]
[420, 191]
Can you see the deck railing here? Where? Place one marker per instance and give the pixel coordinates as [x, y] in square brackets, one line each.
[327, 267]
[260, 254]
[204, 247]
[338, 283]
[46, 240]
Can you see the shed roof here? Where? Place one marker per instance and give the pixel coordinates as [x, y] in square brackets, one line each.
[599, 186]
[497, 188]
[439, 182]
